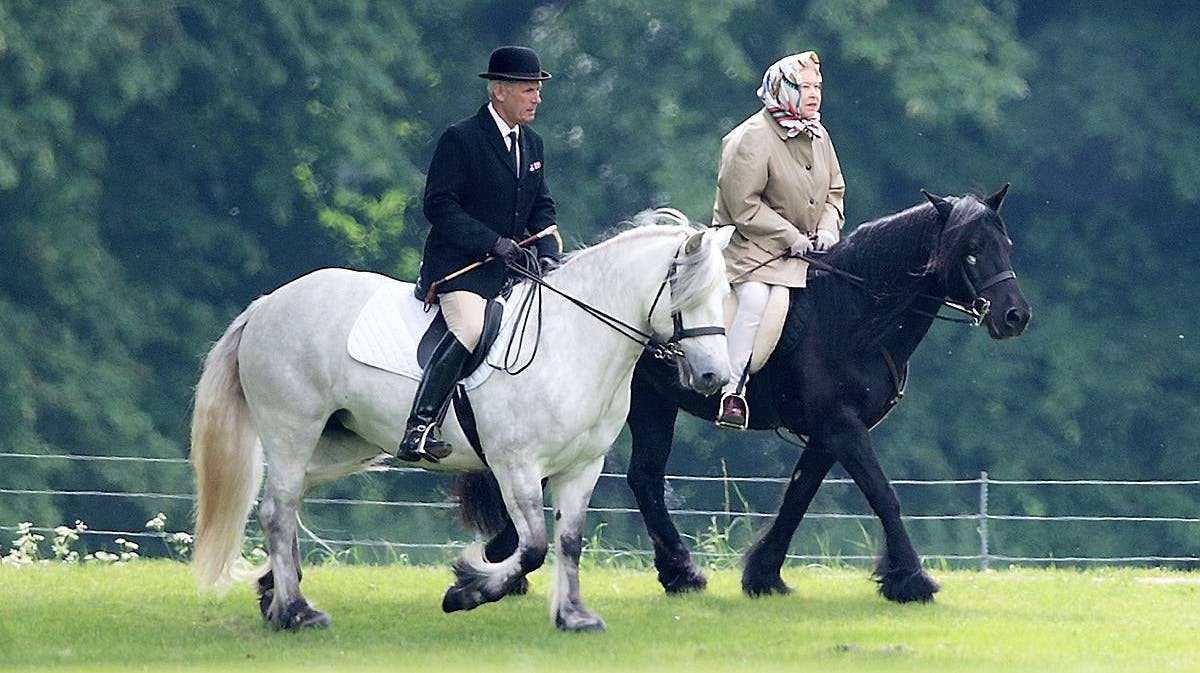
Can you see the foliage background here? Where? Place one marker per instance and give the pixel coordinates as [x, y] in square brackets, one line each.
[162, 164]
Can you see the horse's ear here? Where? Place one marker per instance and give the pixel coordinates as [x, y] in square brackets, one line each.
[722, 235]
[693, 243]
[996, 199]
[943, 206]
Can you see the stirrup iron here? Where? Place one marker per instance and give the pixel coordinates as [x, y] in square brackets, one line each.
[428, 447]
[725, 421]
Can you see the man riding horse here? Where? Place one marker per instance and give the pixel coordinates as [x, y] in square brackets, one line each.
[484, 191]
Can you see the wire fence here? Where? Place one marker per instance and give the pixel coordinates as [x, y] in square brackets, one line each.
[984, 515]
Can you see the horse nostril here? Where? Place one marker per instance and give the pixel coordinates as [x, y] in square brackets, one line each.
[711, 382]
[1015, 317]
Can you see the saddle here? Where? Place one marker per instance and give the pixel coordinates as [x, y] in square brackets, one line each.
[493, 316]
[395, 333]
[771, 327]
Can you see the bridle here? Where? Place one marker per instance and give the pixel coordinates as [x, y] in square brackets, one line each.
[979, 305]
[662, 349]
[669, 349]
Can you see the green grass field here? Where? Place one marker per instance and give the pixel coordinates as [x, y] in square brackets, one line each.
[148, 616]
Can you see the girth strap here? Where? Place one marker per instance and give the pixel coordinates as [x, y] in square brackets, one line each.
[466, 419]
[899, 378]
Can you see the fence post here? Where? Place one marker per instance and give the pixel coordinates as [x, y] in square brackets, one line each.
[983, 520]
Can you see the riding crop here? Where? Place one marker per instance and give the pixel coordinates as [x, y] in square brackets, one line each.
[475, 265]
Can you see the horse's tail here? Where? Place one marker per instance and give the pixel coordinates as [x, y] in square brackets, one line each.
[480, 504]
[227, 459]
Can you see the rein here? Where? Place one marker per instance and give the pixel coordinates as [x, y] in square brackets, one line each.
[663, 350]
[975, 312]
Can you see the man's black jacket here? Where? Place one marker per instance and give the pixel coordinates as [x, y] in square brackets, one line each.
[473, 197]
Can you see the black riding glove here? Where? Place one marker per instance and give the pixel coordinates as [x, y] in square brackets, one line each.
[506, 249]
[547, 264]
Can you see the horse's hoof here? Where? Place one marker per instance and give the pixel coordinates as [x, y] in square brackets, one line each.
[314, 619]
[579, 621]
[908, 586]
[520, 587]
[461, 598]
[300, 615]
[755, 587]
[683, 580]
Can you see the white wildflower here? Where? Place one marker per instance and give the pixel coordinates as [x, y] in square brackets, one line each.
[103, 557]
[25, 547]
[158, 523]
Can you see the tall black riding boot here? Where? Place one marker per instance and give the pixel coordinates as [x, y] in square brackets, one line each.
[442, 372]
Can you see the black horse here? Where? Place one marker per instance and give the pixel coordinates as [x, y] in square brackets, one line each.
[838, 369]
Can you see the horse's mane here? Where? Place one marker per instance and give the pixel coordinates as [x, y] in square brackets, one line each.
[891, 246]
[898, 257]
[650, 223]
[697, 271]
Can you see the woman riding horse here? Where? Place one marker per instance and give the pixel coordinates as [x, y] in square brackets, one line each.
[839, 368]
[781, 187]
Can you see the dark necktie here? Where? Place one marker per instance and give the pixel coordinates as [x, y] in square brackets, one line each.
[512, 152]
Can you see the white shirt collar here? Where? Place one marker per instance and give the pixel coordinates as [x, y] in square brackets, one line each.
[505, 129]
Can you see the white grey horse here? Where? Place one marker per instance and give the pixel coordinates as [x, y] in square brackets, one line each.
[280, 387]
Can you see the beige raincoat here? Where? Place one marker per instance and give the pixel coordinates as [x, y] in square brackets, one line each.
[775, 189]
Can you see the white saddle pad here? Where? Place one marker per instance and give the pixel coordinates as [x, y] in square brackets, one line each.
[388, 329]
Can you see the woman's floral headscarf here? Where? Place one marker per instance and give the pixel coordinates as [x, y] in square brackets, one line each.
[780, 92]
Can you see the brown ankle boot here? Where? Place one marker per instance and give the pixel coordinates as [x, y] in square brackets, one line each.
[734, 412]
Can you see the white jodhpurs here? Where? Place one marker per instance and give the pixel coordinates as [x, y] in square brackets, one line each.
[752, 303]
[463, 311]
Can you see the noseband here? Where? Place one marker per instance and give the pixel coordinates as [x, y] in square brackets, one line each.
[977, 309]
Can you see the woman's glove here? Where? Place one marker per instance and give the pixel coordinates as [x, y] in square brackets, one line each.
[825, 240]
[800, 246]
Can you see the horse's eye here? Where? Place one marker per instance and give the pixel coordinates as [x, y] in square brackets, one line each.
[971, 260]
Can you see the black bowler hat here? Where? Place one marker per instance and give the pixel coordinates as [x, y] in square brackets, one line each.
[515, 63]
